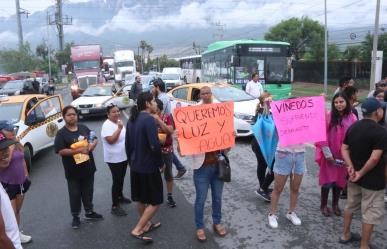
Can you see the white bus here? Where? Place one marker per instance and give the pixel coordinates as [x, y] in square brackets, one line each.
[191, 68]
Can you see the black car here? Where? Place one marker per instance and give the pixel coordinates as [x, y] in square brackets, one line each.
[17, 87]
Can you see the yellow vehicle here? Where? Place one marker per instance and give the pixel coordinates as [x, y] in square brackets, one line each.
[36, 118]
[244, 104]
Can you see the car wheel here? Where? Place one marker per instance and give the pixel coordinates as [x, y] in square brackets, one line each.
[28, 156]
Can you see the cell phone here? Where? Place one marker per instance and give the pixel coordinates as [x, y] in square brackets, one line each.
[339, 162]
[327, 152]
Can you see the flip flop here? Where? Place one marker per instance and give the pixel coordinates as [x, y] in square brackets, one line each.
[144, 239]
[153, 227]
[354, 237]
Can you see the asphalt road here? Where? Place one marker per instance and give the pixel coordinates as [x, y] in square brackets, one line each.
[46, 213]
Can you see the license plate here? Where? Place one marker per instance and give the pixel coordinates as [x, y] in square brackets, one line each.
[86, 111]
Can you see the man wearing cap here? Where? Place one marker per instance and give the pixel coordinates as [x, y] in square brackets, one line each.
[9, 231]
[362, 151]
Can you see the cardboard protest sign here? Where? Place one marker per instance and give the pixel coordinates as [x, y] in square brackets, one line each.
[205, 128]
[300, 120]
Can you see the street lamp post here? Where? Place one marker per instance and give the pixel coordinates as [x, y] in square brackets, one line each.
[375, 46]
[325, 50]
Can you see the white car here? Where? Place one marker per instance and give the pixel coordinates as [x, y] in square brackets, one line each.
[36, 118]
[244, 104]
[172, 80]
[96, 98]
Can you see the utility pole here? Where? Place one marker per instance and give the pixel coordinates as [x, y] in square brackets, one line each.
[48, 49]
[59, 21]
[19, 12]
[375, 46]
[19, 25]
[325, 50]
[219, 32]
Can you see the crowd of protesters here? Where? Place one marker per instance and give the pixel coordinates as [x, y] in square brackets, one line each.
[351, 160]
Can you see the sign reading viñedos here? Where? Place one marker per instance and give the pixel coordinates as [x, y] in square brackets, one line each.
[300, 120]
[205, 128]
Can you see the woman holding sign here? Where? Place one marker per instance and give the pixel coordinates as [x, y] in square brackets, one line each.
[333, 172]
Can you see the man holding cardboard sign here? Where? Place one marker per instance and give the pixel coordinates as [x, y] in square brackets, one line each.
[203, 131]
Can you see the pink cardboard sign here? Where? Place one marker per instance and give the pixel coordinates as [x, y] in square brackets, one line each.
[300, 120]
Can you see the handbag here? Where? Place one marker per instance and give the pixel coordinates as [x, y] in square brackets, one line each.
[224, 169]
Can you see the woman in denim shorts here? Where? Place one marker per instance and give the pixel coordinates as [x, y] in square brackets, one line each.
[289, 161]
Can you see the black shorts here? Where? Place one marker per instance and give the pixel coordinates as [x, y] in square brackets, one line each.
[167, 159]
[147, 188]
[16, 189]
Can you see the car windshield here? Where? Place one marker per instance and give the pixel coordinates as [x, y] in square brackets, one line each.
[15, 84]
[129, 78]
[79, 65]
[11, 112]
[98, 91]
[224, 94]
[170, 76]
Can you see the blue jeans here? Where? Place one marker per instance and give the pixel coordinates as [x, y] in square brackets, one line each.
[177, 163]
[206, 177]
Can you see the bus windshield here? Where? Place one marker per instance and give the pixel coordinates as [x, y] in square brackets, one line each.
[271, 69]
[277, 70]
[79, 65]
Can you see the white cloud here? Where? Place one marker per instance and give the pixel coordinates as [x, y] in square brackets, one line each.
[235, 14]
[8, 38]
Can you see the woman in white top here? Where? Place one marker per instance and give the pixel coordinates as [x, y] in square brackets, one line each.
[113, 141]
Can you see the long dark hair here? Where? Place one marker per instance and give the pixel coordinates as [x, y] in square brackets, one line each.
[336, 118]
[140, 106]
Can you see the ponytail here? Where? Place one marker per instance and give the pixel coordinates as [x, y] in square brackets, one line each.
[133, 113]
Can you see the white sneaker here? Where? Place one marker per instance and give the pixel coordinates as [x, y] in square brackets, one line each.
[273, 223]
[293, 218]
[25, 238]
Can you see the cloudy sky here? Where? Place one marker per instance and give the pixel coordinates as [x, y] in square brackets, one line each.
[95, 18]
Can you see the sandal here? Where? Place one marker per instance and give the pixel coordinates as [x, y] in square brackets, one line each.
[219, 230]
[201, 235]
[326, 211]
[146, 240]
[337, 211]
[153, 227]
[354, 237]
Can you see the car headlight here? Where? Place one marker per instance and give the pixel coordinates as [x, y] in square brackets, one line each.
[243, 116]
[99, 105]
[74, 87]
[17, 92]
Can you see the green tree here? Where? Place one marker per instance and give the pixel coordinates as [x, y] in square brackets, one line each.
[13, 60]
[352, 52]
[42, 51]
[304, 35]
[64, 57]
[367, 45]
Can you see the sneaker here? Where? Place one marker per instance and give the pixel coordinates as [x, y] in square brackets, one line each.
[24, 239]
[124, 200]
[93, 216]
[171, 202]
[293, 218]
[118, 211]
[273, 223]
[180, 174]
[76, 222]
[263, 195]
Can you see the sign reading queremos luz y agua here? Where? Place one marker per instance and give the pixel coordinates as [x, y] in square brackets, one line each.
[300, 120]
[205, 128]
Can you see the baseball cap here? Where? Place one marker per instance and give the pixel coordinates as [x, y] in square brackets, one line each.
[5, 142]
[370, 105]
[6, 126]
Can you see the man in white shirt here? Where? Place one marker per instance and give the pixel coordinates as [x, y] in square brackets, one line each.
[9, 231]
[253, 87]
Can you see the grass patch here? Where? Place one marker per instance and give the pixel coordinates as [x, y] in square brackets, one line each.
[312, 89]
